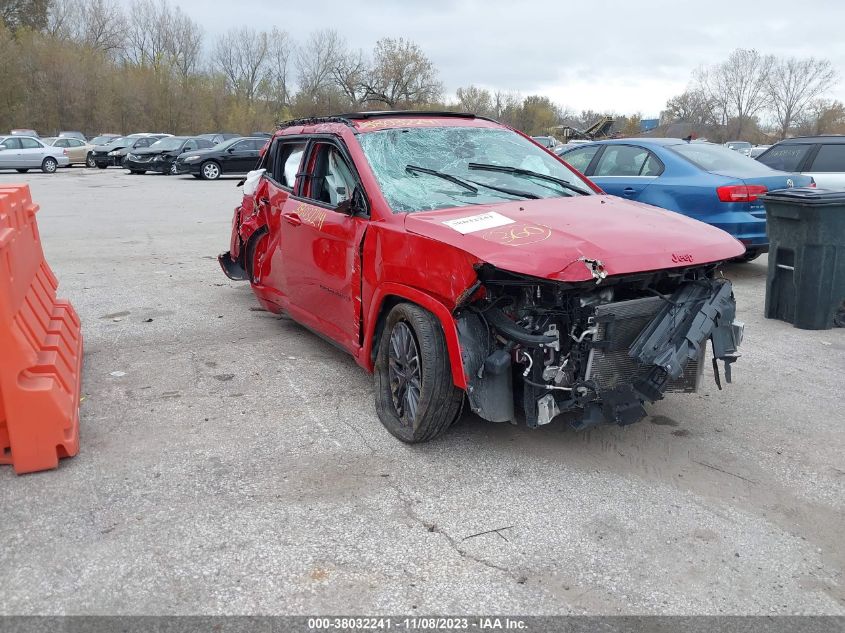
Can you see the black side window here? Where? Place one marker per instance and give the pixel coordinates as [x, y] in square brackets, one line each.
[12, 143]
[29, 143]
[241, 146]
[785, 156]
[144, 142]
[203, 143]
[831, 158]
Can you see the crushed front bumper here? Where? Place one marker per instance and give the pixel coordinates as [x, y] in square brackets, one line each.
[231, 268]
[629, 369]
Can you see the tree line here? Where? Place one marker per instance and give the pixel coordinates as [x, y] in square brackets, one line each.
[94, 66]
[757, 97]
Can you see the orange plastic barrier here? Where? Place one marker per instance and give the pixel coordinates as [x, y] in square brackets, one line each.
[40, 347]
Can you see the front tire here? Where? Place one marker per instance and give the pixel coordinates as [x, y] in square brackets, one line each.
[210, 170]
[137, 172]
[415, 398]
[99, 166]
[21, 171]
[49, 165]
[89, 161]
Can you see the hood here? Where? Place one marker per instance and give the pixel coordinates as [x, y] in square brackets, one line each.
[549, 237]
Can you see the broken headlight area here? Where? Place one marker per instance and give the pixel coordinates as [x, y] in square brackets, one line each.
[535, 348]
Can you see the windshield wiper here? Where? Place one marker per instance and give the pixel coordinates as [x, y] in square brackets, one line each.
[467, 185]
[518, 171]
[438, 174]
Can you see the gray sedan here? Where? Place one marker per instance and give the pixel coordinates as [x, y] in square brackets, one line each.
[23, 153]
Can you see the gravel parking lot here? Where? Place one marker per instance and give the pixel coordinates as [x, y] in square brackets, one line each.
[236, 465]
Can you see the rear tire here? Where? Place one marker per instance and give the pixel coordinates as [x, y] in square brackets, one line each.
[416, 399]
[210, 170]
[49, 165]
[89, 160]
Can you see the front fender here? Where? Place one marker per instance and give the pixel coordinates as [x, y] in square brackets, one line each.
[388, 290]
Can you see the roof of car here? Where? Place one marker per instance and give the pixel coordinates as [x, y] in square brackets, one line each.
[641, 140]
[826, 138]
[350, 118]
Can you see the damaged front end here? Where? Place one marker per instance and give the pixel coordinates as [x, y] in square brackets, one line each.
[535, 348]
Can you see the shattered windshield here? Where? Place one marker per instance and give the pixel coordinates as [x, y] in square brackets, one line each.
[421, 169]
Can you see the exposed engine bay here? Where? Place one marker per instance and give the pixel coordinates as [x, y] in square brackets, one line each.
[535, 348]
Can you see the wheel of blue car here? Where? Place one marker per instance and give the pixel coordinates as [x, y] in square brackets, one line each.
[49, 165]
[416, 399]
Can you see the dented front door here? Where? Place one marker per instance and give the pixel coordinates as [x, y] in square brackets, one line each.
[319, 247]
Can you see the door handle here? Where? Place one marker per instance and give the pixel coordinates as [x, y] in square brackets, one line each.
[292, 218]
[628, 191]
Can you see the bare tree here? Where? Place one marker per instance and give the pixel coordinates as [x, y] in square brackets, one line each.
[241, 54]
[31, 14]
[793, 84]
[148, 33]
[691, 106]
[738, 86]
[276, 80]
[476, 100]
[401, 75]
[184, 44]
[97, 24]
[317, 59]
[349, 74]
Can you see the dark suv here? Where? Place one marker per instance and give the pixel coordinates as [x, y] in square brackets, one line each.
[822, 157]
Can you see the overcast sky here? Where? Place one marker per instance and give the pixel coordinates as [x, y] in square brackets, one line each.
[620, 56]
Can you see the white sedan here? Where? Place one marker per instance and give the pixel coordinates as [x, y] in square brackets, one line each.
[23, 153]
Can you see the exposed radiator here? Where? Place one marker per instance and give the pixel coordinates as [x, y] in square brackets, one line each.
[612, 366]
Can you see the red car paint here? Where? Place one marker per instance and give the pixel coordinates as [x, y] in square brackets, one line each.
[335, 273]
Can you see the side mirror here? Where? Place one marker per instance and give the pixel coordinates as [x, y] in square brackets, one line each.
[356, 205]
[230, 150]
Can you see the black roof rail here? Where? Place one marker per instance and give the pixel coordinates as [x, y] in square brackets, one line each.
[315, 120]
[382, 114]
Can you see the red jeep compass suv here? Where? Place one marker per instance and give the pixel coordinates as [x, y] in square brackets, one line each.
[457, 259]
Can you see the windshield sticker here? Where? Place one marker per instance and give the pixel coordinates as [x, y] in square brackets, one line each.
[518, 235]
[473, 223]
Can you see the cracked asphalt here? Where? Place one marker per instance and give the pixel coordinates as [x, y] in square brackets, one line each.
[232, 462]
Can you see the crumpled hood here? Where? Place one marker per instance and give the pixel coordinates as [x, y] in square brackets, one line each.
[550, 237]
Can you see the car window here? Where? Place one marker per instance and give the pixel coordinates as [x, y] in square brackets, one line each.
[190, 144]
[331, 180]
[717, 158]
[62, 142]
[142, 142]
[75, 142]
[785, 156]
[622, 160]
[11, 143]
[243, 146]
[288, 164]
[580, 158]
[30, 143]
[831, 158]
[204, 143]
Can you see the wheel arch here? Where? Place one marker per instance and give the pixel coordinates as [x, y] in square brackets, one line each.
[389, 295]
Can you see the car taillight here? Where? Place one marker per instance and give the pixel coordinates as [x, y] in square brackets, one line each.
[64, 151]
[812, 182]
[740, 193]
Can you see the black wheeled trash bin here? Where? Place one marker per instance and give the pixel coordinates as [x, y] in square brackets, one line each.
[805, 284]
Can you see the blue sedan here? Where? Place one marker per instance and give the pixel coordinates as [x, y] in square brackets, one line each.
[704, 181]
